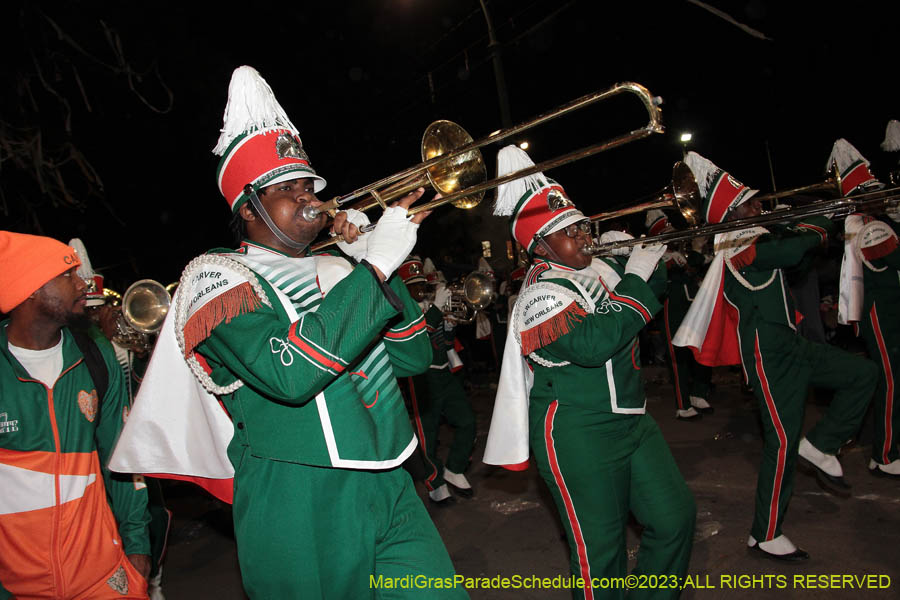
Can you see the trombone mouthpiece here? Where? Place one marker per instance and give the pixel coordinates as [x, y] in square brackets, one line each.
[311, 212]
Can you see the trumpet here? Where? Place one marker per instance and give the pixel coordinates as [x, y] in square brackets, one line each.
[468, 296]
[654, 125]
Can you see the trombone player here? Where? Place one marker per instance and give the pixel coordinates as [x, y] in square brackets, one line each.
[570, 388]
[744, 314]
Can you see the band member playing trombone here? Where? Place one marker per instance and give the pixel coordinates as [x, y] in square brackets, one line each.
[570, 385]
[870, 299]
[744, 313]
[690, 379]
[303, 352]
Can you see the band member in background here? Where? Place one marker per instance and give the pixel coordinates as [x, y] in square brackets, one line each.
[744, 313]
[68, 527]
[132, 350]
[571, 386]
[690, 379]
[303, 351]
[438, 394]
[870, 299]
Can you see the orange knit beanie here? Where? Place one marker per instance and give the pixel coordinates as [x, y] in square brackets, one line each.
[27, 262]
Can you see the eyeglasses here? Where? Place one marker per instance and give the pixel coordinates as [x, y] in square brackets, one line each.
[574, 229]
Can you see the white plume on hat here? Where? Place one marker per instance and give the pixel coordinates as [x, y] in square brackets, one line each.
[428, 266]
[509, 160]
[251, 107]
[703, 170]
[85, 271]
[844, 154]
[891, 141]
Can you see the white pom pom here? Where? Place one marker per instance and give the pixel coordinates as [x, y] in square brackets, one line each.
[251, 107]
[428, 266]
[509, 160]
[844, 154]
[891, 141]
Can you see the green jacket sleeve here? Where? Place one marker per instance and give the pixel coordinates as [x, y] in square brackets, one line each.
[292, 362]
[784, 248]
[614, 324]
[127, 494]
[406, 341]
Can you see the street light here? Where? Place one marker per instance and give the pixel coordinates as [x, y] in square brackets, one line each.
[524, 145]
[685, 138]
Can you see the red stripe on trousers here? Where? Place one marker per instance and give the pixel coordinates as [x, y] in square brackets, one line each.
[421, 432]
[567, 501]
[782, 441]
[889, 392]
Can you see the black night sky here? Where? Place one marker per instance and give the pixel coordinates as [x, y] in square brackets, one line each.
[138, 90]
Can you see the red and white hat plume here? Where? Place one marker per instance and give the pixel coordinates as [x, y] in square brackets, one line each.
[259, 144]
[852, 166]
[720, 191]
[95, 295]
[656, 222]
[535, 204]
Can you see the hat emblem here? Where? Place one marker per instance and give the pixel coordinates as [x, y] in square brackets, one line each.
[734, 182]
[287, 146]
[415, 269]
[556, 200]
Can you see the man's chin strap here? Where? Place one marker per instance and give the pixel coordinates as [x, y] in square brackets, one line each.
[551, 253]
[282, 236]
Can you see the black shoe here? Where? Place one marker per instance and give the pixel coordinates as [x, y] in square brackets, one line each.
[875, 470]
[831, 484]
[798, 555]
[692, 416]
[446, 502]
[706, 411]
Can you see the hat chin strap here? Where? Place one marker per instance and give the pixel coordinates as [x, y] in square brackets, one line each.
[282, 236]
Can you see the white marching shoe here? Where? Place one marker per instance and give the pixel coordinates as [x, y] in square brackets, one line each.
[892, 469]
[701, 405]
[441, 495]
[780, 548]
[459, 482]
[687, 414]
[827, 467]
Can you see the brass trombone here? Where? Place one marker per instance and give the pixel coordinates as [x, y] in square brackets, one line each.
[872, 201]
[682, 195]
[654, 125]
[832, 183]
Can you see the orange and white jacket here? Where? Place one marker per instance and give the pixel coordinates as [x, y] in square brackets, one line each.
[66, 522]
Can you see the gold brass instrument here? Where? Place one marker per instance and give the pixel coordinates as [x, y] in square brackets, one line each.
[144, 307]
[653, 125]
[831, 184]
[867, 202]
[682, 194]
[468, 296]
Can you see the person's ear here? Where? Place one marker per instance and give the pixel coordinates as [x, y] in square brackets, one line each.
[540, 250]
[246, 213]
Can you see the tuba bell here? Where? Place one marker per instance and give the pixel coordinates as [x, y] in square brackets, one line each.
[144, 307]
[468, 296]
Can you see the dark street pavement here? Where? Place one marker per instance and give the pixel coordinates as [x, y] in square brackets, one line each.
[510, 527]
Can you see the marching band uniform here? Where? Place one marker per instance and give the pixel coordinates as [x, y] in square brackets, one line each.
[570, 385]
[437, 393]
[690, 379]
[303, 354]
[744, 312]
[871, 257]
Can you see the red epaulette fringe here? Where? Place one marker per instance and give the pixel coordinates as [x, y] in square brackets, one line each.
[224, 307]
[552, 329]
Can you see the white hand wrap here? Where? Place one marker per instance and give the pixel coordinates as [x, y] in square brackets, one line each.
[441, 296]
[358, 248]
[643, 260]
[391, 242]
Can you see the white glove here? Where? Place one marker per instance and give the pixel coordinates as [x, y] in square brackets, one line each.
[614, 236]
[358, 248]
[643, 260]
[441, 296]
[392, 240]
